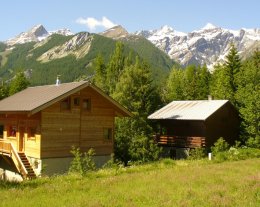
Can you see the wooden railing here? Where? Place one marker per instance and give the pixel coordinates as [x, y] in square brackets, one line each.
[180, 141]
[5, 147]
[8, 149]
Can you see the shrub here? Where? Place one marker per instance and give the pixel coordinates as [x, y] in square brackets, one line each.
[220, 146]
[82, 163]
[197, 154]
[253, 142]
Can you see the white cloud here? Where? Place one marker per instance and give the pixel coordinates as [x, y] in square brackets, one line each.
[93, 23]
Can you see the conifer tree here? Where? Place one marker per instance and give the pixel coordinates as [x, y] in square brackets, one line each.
[100, 77]
[136, 92]
[224, 80]
[248, 98]
[19, 83]
[174, 86]
[115, 66]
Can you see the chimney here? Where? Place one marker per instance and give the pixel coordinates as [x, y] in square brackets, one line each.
[58, 80]
[210, 97]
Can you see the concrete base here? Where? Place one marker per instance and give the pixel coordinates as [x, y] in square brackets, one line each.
[53, 166]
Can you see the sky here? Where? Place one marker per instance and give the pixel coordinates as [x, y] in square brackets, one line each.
[17, 16]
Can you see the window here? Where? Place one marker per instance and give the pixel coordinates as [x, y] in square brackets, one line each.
[12, 131]
[86, 105]
[76, 101]
[65, 104]
[108, 133]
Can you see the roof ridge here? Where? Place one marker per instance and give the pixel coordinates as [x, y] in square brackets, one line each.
[59, 84]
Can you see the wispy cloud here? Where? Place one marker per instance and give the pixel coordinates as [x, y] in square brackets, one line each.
[93, 23]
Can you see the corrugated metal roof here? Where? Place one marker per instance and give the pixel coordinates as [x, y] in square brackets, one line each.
[188, 110]
[34, 99]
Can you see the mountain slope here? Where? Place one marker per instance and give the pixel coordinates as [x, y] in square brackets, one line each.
[72, 56]
[208, 45]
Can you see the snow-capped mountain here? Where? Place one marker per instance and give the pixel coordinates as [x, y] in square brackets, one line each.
[207, 45]
[36, 34]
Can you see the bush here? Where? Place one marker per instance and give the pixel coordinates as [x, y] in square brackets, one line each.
[253, 142]
[197, 154]
[234, 154]
[220, 146]
[82, 163]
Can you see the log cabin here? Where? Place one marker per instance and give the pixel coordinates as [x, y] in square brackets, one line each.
[39, 126]
[192, 124]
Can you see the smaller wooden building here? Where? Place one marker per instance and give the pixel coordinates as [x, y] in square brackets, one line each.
[39, 126]
[191, 124]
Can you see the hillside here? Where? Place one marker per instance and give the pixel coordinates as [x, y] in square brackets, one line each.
[71, 56]
[164, 183]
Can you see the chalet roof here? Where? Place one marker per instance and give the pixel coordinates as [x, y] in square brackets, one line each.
[35, 99]
[188, 110]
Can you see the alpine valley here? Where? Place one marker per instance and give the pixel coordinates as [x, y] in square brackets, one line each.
[44, 54]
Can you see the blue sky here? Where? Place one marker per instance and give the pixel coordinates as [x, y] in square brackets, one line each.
[96, 15]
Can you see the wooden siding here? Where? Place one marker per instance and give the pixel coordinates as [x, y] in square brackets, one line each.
[224, 123]
[22, 141]
[63, 129]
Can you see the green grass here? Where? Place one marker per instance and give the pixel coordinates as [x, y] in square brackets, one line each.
[164, 183]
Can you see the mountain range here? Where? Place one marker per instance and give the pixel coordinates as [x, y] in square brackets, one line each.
[208, 45]
[43, 55]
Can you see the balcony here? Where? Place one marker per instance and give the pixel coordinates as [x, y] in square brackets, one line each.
[180, 141]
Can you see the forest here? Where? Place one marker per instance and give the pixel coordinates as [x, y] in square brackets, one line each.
[128, 79]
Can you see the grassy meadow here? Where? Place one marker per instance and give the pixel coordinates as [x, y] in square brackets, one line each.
[164, 183]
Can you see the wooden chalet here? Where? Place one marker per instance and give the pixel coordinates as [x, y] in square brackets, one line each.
[192, 124]
[39, 126]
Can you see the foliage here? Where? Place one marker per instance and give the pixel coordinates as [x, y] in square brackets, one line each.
[4, 91]
[248, 98]
[136, 92]
[190, 83]
[82, 163]
[235, 154]
[197, 153]
[19, 83]
[225, 78]
[219, 146]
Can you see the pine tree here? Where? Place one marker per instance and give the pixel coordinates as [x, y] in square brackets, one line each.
[100, 78]
[248, 98]
[203, 80]
[3, 90]
[115, 66]
[174, 86]
[136, 92]
[190, 83]
[19, 83]
[224, 80]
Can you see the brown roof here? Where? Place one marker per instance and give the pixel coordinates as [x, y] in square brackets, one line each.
[34, 99]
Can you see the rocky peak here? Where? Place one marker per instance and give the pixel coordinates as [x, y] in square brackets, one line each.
[35, 34]
[116, 32]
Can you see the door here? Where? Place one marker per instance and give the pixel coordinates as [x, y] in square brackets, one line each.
[21, 139]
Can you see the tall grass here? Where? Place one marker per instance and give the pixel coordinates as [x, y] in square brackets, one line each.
[164, 183]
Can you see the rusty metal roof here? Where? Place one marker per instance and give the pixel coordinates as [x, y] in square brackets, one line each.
[34, 99]
[188, 110]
